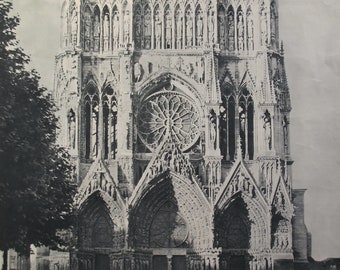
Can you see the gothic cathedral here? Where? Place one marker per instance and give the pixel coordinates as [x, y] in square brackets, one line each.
[176, 114]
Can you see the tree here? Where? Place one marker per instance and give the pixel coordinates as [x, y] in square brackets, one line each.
[36, 188]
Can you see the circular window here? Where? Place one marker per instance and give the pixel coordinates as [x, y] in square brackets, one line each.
[168, 113]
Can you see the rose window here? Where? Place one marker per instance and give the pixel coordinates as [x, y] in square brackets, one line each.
[166, 114]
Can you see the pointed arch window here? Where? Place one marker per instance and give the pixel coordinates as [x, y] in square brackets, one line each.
[91, 113]
[227, 127]
[106, 29]
[110, 124]
[115, 27]
[231, 29]
[96, 29]
[221, 26]
[138, 26]
[147, 27]
[168, 28]
[246, 124]
[87, 29]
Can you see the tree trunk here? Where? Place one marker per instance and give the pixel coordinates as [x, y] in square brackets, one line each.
[5, 257]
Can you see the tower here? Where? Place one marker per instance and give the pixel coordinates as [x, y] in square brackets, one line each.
[176, 114]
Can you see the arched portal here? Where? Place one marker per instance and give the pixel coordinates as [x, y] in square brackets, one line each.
[171, 212]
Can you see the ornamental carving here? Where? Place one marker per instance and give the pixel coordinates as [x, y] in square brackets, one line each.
[168, 113]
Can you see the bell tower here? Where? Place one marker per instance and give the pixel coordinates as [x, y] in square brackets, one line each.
[177, 117]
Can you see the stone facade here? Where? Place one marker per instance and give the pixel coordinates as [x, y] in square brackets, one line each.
[176, 114]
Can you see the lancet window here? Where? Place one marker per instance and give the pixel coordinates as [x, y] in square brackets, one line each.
[221, 26]
[231, 28]
[115, 28]
[110, 124]
[168, 28]
[96, 30]
[91, 114]
[106, 29]
[237, 121]
[250, 30]
[147, 27]
[87, 29]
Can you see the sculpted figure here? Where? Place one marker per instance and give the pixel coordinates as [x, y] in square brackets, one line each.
[106, 32]
[72, 129]
[168, 30]
[250, 32]
[267, 130]
[240, 30]
[127, 27]
[158, 31]
[231, 31]
[87, 31]
[137, 72]
[263, 26]
[179, 32]
[189, 28]
[96, 33]
[211, 26]
[116, 31]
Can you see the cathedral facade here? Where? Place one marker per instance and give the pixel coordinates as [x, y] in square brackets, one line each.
[176, 114]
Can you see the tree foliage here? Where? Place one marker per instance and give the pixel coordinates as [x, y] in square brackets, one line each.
[36, 191]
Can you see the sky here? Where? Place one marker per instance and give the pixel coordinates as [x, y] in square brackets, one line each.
[311, 36]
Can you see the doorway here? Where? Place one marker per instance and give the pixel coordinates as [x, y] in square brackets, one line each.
[178, 263]
[102, 262]
[238, 263]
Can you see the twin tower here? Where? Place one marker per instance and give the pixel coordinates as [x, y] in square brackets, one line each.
[176, 114]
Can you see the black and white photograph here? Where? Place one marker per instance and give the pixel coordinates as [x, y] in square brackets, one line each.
[169, 135]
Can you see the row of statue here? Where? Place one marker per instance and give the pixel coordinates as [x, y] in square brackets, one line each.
[233, 29]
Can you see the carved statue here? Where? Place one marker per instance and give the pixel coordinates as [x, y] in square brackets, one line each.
[116, 31]
[94, 133]
[267, 130]
[87, 31]
[147, 29]
[264, 31]
[240, 31]
[189, 28]
[137, 71]
[158, 31]
[201, 70]
[199, 30]
[106, 31]
[168, 30]
[96, 33]
[221, 29]
[71, 129]
[285, 132]
[250, 32]
[127, 27]
[179, 31]
[213, 128]
[211, 27]
[231, 31]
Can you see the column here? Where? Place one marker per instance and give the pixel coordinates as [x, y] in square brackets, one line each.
[169, 257]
